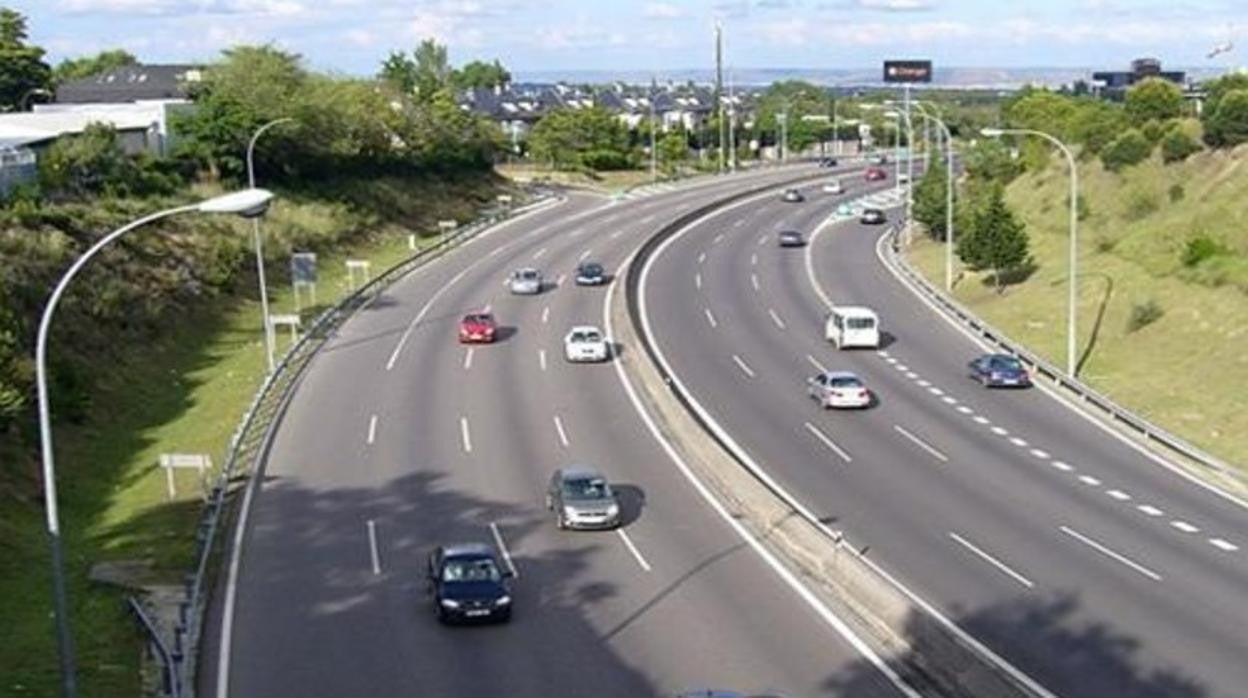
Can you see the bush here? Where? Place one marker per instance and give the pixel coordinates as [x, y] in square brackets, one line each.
[1131, 148]
[606, 160]
[1227, 125]
[1154, 130]
[1202, 248]
[1143, 315]
[1140, 204]
[1178, 145]
[1176, 193]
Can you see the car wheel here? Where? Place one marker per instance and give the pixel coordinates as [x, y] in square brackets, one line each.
[504, 616]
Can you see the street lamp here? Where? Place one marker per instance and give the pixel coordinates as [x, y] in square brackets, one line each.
[1073, 277]
[250, 203]
[266, 326]
[948, 193]
[24, 103]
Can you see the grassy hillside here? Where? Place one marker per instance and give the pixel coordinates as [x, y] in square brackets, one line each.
[1163, 298]
[176, 382]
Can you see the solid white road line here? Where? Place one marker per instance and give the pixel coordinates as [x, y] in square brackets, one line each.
[1111, 554]
[828, 442]
[775, 318]
[710, 317]
[786, 575]
[921, 443]
[465, 436]
[468, 359]
[697, 280]
[743, 366]
[754, 281]
[502, 548]
[372, 546]
[992, 561]
[545, 315]
[563, 435]
[398, 348]
[541, 358]
[815, 362]
[628, 543]
[372, 429]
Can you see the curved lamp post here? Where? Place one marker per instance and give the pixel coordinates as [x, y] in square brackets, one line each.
[944, 129]
[1073, 279]
[267, 326]
[250, 202]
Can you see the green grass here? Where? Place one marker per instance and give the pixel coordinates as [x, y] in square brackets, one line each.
[1187, 370]
[608, 182]
[185, 393]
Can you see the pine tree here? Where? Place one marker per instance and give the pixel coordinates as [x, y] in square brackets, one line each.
[996, 239]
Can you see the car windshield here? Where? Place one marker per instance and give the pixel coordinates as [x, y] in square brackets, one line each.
[591, 269]
[859, 323]
[479, 319]
[1006, 363]
[480, 569]
[526, 275]
[844, 382]
[588, 336]
[586, 488]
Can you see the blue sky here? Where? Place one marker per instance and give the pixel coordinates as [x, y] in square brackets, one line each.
[352, 36]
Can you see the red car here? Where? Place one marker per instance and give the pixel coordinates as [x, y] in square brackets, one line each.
[876, 174]
[477, 327]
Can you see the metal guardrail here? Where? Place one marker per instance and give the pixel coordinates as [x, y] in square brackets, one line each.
[249, 444]
[1117, 413]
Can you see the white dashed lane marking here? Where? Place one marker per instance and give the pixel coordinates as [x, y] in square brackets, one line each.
[1223, 545]
[1185, 527]
[1102, 549]
[710, 317]
[559, 430]
[745, 368]
[465, 435]
[1150, 510]
[827, 441]
[775, 318]
[931, 450]
[1089, 481]
[1001, 566]
[1119, 495]
[697, 280]
[1062, 466]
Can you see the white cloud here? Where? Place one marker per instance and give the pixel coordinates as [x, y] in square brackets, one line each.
[268, 8]
[579, 36]
[896, 5]
[360, 37]
[661, 10]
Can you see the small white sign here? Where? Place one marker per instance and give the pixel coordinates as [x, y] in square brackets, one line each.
[168, 461]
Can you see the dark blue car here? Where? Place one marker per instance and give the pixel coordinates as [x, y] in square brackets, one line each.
[1000, 371]
[468, 584]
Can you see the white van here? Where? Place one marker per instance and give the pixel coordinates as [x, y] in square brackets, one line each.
[852, 326]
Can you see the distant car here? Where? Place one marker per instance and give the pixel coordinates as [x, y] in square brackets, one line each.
[827, 162]
[876, 174]
[873, 216]
[478, 327]
[581, 497]
[590, 274]
[877, 159]
[833, 187]
[790, 238]
[845, 209]
[839, 389]
[792, 196]
[525, 282]
[904, 178]
[585, 343]
[468, 584]
[999, 371]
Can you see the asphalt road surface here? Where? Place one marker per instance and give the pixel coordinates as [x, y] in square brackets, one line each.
[401, 439]
[1081, 561]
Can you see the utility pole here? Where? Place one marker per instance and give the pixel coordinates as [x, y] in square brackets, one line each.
[719, 88]
[732, 126]
[654, 153]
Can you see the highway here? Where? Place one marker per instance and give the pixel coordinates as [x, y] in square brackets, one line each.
[400, 439]
[1081, 561]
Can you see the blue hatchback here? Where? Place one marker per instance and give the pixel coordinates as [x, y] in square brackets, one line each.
[1000, 371]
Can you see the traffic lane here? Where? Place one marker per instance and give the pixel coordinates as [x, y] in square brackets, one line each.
[1178, 512]
[685, 563]
[1022, 539]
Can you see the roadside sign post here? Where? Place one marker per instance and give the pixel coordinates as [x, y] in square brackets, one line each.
[168, 461]
[446, 227]
[363, 266]
[303, 275]
[292, 321]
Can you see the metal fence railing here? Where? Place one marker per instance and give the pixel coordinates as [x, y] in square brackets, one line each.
[177, 651]
[1117, 413]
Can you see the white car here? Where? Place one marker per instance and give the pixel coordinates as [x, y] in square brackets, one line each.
[839, 389]
[833, 187]
[525, 282]
[585, 343]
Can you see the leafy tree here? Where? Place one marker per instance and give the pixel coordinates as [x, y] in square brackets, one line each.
[930, 196]
[592, 138]
[1130, 148]
[399, 71]
[989, 160]
[673, 148]
[479, 74]
[1177, 145]
[1042, 110]
[87, 66]
[84, 164]
[796, 99]
[1227, 126]
[1154, 99]
[1095, 124]
[22, 68]
[996, 240]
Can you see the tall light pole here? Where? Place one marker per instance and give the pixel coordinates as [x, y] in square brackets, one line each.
[654, 162]
[266, 326]
[1072, 278]
[250, 202]
[944, 129]
[24, 103]
[783, 119]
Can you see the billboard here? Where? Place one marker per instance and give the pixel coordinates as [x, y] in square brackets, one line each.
[907, 71]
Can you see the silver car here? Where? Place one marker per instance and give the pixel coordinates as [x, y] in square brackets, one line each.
[525, 282]
[581, 497]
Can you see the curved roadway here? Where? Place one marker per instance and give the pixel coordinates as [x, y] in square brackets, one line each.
[401, 436]
[1081, 560]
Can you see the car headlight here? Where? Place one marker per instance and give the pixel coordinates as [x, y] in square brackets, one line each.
[502, 600]
[613, 510]
[449, 603]
[569, 513]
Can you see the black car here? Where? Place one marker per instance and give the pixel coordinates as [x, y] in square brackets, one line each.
[468, 584]
[827, 162]
[590, 274]
[999, 371]
[873, 216]
[790, 238]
